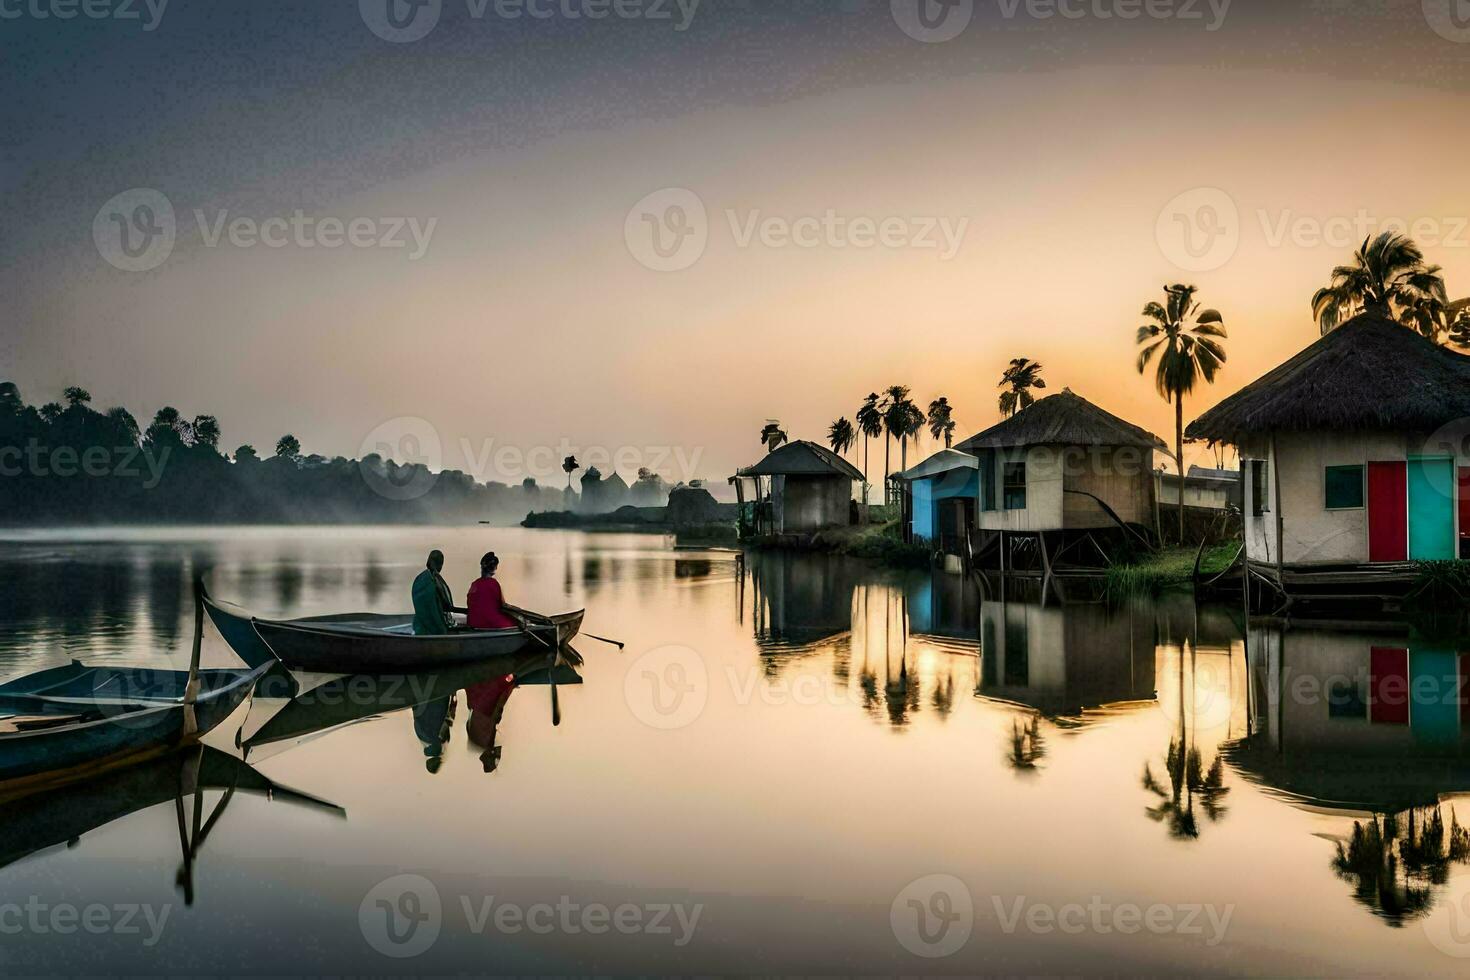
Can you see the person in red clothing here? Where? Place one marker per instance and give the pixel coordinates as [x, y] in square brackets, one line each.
[486, 603]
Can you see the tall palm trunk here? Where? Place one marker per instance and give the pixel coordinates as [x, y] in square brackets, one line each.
[865, 469]
[1179, 456]
[885, 469]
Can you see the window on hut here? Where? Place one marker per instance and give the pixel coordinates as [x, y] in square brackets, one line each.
[1344, 486]
[987, 479]
[1014, 490]
[1260, 496]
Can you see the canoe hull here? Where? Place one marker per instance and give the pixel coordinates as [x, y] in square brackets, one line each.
[112, 726]
[329, 650]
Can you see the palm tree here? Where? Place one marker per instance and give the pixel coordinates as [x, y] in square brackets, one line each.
[902, 420]
[891, 409]
[1388, 274]
[1018, 380]
[840, 435]
[870, 424]
[772, 435]
[570, 466]
[1183, 337]
[941, 423]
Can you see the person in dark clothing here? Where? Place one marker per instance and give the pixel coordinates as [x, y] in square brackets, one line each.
[432, 600]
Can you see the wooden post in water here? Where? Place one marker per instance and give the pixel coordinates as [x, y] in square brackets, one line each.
[1280, 517]
[191, 689]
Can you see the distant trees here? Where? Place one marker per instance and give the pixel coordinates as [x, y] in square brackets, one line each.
[73, 465]
[570, 466]
[1020, 378]
[288, 447]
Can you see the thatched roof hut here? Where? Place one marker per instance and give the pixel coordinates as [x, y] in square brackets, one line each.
[1370, 374]
[1063, 419]
[800, 487]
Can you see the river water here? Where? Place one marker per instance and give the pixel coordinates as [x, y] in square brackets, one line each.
[798, 765]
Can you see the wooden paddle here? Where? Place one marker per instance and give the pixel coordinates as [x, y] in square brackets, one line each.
[551, 672]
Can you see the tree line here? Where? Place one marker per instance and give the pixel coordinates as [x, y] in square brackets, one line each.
[66, 463]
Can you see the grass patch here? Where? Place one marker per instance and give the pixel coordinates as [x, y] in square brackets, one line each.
[1171, 568]
[874, 542]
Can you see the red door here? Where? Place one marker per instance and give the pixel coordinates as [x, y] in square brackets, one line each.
[1388, 512]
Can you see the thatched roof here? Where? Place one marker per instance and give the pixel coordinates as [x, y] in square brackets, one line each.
[802, 458]
[1063, 419]
[1370, 374]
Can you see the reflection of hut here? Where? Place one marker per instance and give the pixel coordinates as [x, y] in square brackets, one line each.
[799, 488]
[1356, 720]
[1059, 471]
[1063, 660]
[1349, 471]
[799, 599]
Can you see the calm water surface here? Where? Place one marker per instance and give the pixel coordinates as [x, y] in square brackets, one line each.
[797, 765]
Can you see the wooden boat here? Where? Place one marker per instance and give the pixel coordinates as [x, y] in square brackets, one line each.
[354, 643]
[58, 723]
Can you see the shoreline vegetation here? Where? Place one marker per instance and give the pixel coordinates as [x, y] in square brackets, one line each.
[1168, 570]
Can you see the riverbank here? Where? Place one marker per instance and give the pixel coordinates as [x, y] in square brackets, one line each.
[881, 543]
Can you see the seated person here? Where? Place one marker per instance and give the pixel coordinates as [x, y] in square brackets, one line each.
[432, 601]
[486, 603]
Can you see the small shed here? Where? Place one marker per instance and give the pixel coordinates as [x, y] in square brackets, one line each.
[800, 487]
[1355, 452]
[944, 491]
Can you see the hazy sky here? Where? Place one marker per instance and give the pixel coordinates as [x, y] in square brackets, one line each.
[1019, 189]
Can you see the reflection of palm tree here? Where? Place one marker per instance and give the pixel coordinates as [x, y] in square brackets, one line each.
[1395, 861]
[1028, 746]
[1018, 380]
[1187, 779]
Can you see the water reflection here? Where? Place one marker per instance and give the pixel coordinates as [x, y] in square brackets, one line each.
[1370, 724]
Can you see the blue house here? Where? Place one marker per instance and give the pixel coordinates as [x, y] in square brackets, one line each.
[944, 490]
